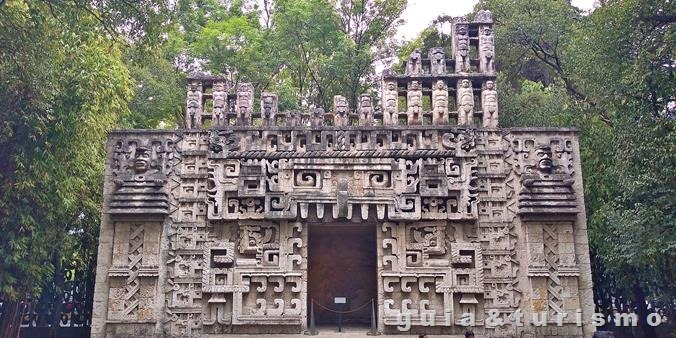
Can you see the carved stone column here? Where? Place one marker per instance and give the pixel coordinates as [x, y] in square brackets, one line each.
[365, 110]
[244, 107]
[341, 111]
[220, 101]
[440, 103]
[461, 47]
[414, 103]
[269, 106]
[390, 103]
[465, 97]
[489, 105]
[194, 105]
[437, 61]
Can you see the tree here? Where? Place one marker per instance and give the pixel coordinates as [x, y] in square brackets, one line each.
[63, 85]
[370, 26]
[616, 67]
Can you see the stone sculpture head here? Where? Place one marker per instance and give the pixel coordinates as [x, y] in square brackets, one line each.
[437, 54]
[219, 86]
[267, 105]
[441, 85]
[465, 83]
[415, 85]
[490, 85]
[365, 101]
[462, 29]
[544, 156]
[488, 31]
[318, 112]
[340, 104]
[141, 160]
[391, 86]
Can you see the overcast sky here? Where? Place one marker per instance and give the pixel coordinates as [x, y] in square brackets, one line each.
[420, 13]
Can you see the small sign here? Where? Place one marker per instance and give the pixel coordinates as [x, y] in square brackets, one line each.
[340, 300]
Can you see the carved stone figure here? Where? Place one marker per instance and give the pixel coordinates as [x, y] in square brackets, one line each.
[294, 118]
[244, 106]
[141, 160]
[220, 100]
[489, 104]
[341, 116]
[139, 189]
[390, 103]
[547, 188]
[269, 108]
[365, 110]
[414, 63]
[486, 50]
[437, 61]
[462, 61]
[194, 103]
[465, 104]
[317, 119]
[440, 103]
[415, 103]
[220, 141]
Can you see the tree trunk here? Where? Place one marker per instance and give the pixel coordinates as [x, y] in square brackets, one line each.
[11, 319]
[642, 311]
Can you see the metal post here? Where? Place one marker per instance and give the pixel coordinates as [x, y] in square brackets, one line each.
[340, 319]
[374, 329]
[312, 331]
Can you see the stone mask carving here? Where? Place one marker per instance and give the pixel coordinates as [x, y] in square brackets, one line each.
[544, 156]
[141, 160]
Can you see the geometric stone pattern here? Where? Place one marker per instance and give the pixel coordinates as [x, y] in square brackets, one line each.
[205, 229]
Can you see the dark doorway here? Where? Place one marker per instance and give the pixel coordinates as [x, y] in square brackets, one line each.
[342, 263]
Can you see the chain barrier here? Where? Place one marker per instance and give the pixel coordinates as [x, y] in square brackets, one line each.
[343, 312]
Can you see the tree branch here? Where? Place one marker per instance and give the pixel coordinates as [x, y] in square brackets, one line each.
[554, 62]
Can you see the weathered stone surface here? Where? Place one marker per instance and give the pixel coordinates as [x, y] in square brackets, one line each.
[205, 230]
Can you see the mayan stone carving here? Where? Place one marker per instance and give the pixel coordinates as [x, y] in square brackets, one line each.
[244, 105]
[391, 103]
[465, 102]
[365, 110]
[341, 111]
[414, 64]
[220, 103]
[440, 102]
[269, 108]
[486, 50]
[437, 61]
[208, 229]
[462, 57]
[489, 103]
[414, 101]
[194, 104]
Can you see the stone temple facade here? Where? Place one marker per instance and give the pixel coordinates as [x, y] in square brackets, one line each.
[210, 229]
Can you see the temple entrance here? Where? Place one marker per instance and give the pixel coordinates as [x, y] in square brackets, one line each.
[342, 263]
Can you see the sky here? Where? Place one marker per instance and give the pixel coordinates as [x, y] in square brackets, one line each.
[420, 13]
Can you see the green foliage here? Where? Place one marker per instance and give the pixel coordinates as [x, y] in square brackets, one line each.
[63, 86]
[611, 75]
[159, 97]
[71, 71]
[531, 34]
[533, 104]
